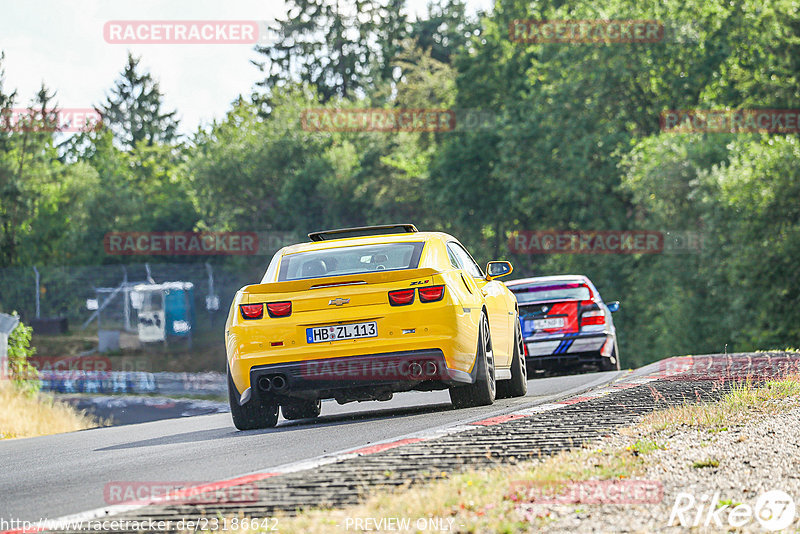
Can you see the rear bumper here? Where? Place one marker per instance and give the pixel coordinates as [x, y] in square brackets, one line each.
[420, 326]
[372, 375]
[569, 349]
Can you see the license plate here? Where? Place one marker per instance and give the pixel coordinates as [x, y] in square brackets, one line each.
[322, 334]
[546, 324]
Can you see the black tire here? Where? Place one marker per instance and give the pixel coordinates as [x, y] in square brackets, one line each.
[518, 385]
[605, 363]
[484, 390]
[254, 414]
[301, 409]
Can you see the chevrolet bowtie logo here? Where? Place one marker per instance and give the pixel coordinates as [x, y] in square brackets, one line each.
[338, 302]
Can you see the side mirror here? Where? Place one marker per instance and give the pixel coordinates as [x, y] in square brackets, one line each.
[613, 306]
[496, 269]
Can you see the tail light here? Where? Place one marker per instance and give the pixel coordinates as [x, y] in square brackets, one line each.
[590, 313]
[593, 317]
[279, 309]
[252, 311]
[431, 294]
[401, 297]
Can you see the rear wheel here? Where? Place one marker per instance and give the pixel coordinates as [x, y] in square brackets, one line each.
[518, 385]
[483, 391]
[254, 414]
[301, 409]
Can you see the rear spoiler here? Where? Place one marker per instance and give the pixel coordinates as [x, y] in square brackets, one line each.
[310, 284]
[361, 231]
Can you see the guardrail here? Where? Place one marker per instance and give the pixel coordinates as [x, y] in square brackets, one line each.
[134, 382]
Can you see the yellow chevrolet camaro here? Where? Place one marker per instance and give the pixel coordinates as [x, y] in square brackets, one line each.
[361, 313]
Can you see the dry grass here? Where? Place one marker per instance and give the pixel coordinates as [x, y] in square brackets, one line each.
[736, 407]
[476, 501]
[708, 462]
[483, 501]
[25, 416]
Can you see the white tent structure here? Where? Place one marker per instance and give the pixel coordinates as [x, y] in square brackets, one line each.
[7, 325]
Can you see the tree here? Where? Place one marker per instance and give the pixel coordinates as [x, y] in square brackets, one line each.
[24, 375]
[390, 34]
[28, 171]
[445, 31]
[9, 186]
[134, 110]
[242, 170]
[339, 47]
[568, 114]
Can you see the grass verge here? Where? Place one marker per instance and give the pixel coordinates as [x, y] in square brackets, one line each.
[736, 407]
[25, 416]
[483, 501]
[475, 501]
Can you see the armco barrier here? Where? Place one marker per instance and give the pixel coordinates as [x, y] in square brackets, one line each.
[134, 382]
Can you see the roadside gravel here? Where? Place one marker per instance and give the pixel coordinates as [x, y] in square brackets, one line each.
[727, 467]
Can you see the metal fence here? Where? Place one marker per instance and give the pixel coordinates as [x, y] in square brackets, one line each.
[74, 291]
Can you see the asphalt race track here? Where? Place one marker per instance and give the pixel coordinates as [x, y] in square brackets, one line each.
[54, 476]
[130, 409]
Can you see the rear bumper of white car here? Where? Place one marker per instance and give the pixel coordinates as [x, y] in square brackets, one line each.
[558, 351]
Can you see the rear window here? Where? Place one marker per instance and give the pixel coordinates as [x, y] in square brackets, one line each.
[551, 291]
[350, 260]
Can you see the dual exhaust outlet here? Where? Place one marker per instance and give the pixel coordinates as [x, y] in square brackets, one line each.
[276, 383]
[416, 370]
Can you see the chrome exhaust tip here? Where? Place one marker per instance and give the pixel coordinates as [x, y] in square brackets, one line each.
[264, 383]
[278, 383]
[431, 368]
[415, 369]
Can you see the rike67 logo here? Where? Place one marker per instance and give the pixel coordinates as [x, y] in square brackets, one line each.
[774, 510]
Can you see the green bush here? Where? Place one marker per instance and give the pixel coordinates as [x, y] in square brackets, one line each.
[24, 376]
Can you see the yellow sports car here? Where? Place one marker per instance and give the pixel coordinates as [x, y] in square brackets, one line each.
[361, 313]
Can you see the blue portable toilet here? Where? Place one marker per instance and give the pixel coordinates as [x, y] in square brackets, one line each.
[164, 310]
[179, 311]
